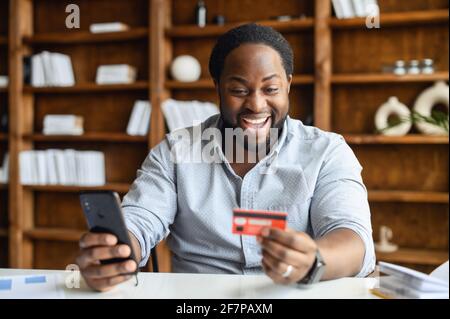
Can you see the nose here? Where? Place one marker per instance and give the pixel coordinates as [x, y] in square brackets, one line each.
[256, 103]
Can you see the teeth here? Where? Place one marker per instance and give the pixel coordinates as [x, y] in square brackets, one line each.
[255, 121]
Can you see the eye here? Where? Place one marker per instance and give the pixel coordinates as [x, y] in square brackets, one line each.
[238, 91]
[271, 90]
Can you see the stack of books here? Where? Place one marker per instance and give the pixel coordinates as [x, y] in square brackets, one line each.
[405, 283]
[51, 69]
[63, 125]
[62, 167]
[116, 74]
[179, 114]
[4, 170]
[346, 9]
[108, 27]
[140, 118]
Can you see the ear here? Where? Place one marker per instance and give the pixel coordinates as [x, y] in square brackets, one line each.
[289, 80]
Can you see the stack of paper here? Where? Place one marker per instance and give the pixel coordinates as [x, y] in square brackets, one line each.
[140, 118]
[181, 114]
[63, 125]
[346, 9]
[4, 170]
[51, 69]
[403, 282]
[116, 74]
[3, 81]
[108, 27]
[62, 167]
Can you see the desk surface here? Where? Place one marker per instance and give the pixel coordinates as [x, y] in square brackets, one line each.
[207, 286]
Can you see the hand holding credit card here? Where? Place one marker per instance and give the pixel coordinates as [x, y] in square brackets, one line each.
[250, 222]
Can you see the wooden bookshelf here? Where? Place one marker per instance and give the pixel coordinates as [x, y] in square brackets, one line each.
[88, 87]
[395, 19]
[337, 83]
[361, 139]
[87, 37]
[191, 31]
[415, 256]
[3, 90]
[388, 78]
[408, 196]
[112, 137]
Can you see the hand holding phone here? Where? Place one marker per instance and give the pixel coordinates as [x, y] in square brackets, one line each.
[106, 257]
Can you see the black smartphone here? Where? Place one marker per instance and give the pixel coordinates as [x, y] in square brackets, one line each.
[104, 215]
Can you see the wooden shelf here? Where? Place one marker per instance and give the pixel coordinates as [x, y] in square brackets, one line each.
[409, 197]
[3, 40]
[113, 137]
[357, 139]
[89, 87]
[86, 37]
[388, 78]
[208, 84]
[3, 232]
[192, 31]
[3, 90]
[395, 19]
[121, 188]
[414, 256]
[62, 234]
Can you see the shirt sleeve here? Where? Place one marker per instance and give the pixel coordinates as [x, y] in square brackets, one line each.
[340, 199]
[150, 206]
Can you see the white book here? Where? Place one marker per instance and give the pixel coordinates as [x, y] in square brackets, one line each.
[371, 7]
[41, 167]
[61, 167]
[347, 9]
[4, 176]
[108, 27]
[4, 80]
[135, 118]
[395, 287]
[49, 72]
[71, 165]
[81, 169]
[37, 71]
[145, 121]
[338, 10]
[116, 74]
[359, 7]
[62, 68]
[52, 175]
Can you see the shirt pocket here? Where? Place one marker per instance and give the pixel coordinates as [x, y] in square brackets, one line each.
[298, 214]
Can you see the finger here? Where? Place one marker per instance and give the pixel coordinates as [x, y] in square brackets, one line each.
[290, 238]
[277, 265]
[283, 253]
[105, 271]
[97, 239]
[93, 255]
[106, 284]
[274, 275]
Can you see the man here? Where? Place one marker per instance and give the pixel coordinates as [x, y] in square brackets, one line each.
[314, 177]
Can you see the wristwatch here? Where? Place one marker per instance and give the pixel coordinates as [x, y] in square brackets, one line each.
[316, 272]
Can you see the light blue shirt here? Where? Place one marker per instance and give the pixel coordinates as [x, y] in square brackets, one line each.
[316, 180]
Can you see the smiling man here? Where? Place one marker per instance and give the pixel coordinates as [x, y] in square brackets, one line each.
[310, 174]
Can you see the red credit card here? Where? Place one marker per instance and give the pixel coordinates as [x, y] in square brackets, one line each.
[250, 222]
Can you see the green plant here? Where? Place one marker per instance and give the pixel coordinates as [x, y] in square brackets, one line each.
[437, 118]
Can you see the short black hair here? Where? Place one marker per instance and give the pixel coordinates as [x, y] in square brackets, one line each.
[249, 33]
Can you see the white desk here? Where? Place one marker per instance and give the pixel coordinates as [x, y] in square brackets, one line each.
[206, 286]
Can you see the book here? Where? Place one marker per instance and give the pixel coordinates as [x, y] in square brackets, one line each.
[359, 7]
[51, 69]
[4, 169]
[116, 74]
[402, 282]
[139, 121]
[63, 125]
[108, 27]
[344, 9]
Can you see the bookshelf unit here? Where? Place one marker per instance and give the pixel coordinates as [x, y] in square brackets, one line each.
[337, 85]
[4, 136]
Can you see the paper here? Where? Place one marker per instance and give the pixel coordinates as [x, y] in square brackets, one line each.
[31, 287]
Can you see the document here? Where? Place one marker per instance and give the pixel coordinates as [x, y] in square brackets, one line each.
[32, 287]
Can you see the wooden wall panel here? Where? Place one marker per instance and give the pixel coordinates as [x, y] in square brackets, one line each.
[404, 167]
[243, 10]
[133, 13]
[54, 255]
[411, 5]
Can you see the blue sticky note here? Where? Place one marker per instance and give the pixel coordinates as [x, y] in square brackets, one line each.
[5, 284]
[35, 280]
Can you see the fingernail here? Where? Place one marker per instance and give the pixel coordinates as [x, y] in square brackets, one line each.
[130, 266]
[110, 240]
[124, 250]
